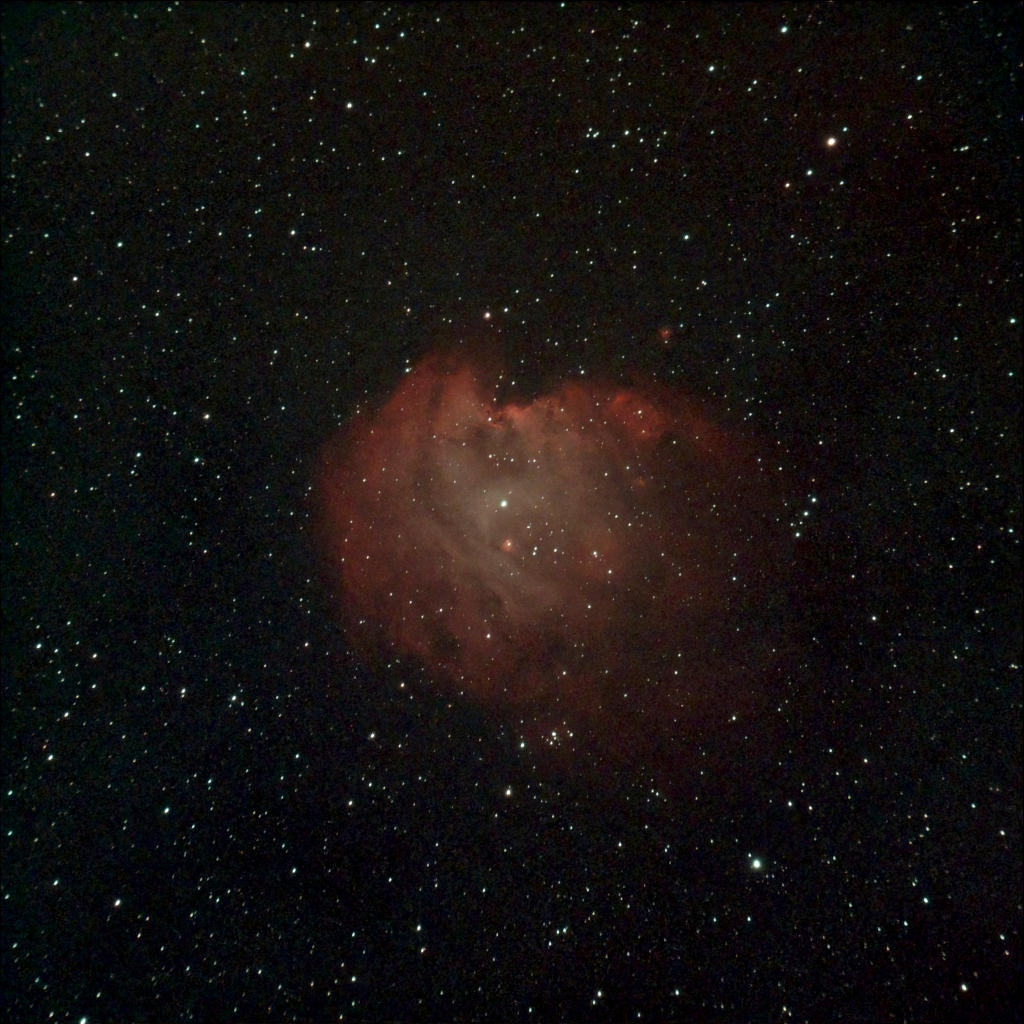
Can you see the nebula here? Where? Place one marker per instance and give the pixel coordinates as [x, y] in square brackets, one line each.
[598, 564]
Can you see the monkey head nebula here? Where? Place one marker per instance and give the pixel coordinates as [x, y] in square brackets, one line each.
[597, 564]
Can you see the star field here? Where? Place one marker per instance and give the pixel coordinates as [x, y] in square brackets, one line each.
[765, 763]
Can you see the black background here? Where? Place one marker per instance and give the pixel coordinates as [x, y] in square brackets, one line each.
[218, 240]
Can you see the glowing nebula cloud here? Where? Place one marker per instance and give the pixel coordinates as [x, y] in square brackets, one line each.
[598, 563]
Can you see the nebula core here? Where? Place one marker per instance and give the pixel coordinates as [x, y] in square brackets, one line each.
[598, 563]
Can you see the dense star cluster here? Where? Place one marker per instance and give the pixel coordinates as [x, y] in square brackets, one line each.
[511, 512]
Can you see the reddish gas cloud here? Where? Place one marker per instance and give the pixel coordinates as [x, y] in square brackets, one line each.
[599, 565]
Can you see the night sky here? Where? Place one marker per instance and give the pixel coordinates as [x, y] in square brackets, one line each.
[771, 773]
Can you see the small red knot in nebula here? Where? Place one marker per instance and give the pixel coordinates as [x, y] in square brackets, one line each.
[596, 563]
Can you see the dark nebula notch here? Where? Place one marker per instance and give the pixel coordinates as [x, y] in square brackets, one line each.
[599, 564]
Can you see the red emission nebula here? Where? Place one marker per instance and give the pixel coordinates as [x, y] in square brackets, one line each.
[599, 564]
